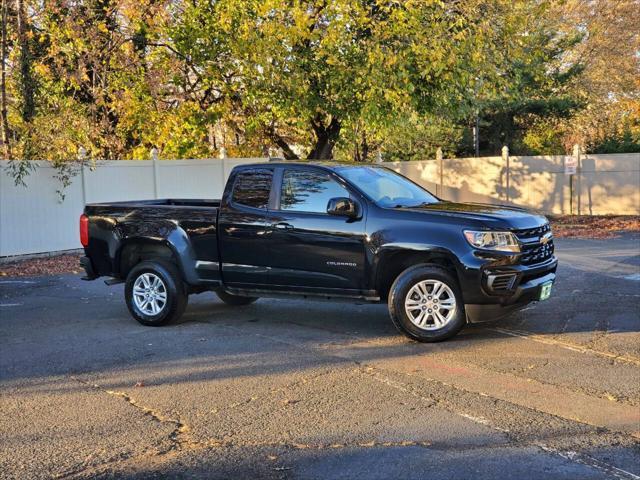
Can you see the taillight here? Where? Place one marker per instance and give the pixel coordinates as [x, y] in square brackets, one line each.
[84, 230]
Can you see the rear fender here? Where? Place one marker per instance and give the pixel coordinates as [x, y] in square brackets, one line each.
[168, 235]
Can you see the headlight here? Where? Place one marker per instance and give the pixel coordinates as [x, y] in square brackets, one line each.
[499, 241]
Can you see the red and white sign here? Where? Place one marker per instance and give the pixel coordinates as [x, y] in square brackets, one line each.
[570, 165]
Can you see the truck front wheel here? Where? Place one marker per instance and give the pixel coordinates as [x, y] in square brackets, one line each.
[425, 304]
[155, 293]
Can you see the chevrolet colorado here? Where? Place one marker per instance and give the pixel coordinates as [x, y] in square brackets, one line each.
[359, 232]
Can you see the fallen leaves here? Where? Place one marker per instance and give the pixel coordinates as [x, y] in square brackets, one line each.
[33, 267]
[593, 226]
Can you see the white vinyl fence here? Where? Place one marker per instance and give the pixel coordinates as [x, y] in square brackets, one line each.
[603, 183]
[35, 220]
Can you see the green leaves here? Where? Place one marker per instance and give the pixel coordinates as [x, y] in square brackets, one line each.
[328, 78]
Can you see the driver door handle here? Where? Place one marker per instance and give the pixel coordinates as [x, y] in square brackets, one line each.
[282, 226]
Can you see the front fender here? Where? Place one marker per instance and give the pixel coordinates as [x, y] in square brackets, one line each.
[435, 251]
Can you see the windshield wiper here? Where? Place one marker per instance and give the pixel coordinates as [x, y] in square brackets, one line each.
[423, 204]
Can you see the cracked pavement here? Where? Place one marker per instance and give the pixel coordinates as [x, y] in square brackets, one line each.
[291, 389]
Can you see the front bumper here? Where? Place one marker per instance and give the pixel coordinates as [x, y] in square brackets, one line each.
[530, 291]
[483, 278]
[525, 294]
[493, 290]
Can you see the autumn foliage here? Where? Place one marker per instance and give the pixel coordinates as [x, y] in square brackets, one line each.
[317, 79]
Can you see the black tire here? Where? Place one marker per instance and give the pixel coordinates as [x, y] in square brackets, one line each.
[176, 295]
[401, 288]
[235, 300]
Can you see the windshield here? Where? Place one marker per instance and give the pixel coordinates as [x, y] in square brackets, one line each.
[386, 187]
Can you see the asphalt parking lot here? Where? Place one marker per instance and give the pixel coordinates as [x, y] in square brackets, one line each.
[294, 389]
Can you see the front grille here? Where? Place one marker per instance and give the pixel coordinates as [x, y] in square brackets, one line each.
[529, 234]
[533, 251]
[533, 254]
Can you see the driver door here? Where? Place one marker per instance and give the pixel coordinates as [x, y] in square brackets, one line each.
[310, 249]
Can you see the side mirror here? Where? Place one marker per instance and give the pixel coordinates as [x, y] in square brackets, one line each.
[342, 207]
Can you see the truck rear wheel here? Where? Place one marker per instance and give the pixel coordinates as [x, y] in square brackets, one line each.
[235, 300]
[155, 293]
[426, 305]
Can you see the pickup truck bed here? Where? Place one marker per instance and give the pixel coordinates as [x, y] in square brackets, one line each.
[124, 232]
[161, 202]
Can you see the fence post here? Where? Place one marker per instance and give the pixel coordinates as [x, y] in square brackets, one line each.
[505, 157]
[223, 156]
[440, 172]
[154, 159]
[82, 155]
[577, 155]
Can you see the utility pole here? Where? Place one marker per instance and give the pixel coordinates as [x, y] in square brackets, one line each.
[476, 122]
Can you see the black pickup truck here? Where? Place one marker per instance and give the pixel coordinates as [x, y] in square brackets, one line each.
[359, 232]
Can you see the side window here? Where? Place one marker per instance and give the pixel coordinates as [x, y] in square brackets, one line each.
[308, 191]
[252, 188]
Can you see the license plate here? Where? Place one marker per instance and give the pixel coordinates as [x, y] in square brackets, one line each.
[545, 290]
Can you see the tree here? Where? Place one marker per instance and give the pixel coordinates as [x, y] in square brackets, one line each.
[300, 72]
[609, 84]
[4, 120]
[315, 78]
[530, 82]
[570, 72]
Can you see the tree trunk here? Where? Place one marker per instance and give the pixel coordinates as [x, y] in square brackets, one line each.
[283, 145]
[27, 83]
[364, 147]
[326, 138]
[6, 148]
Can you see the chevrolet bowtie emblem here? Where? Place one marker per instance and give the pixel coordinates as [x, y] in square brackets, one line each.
[544, 239]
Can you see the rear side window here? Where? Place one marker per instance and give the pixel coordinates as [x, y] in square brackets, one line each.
[252, 188]
[307, 191]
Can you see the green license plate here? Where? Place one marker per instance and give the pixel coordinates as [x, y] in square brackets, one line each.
[545, 290]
